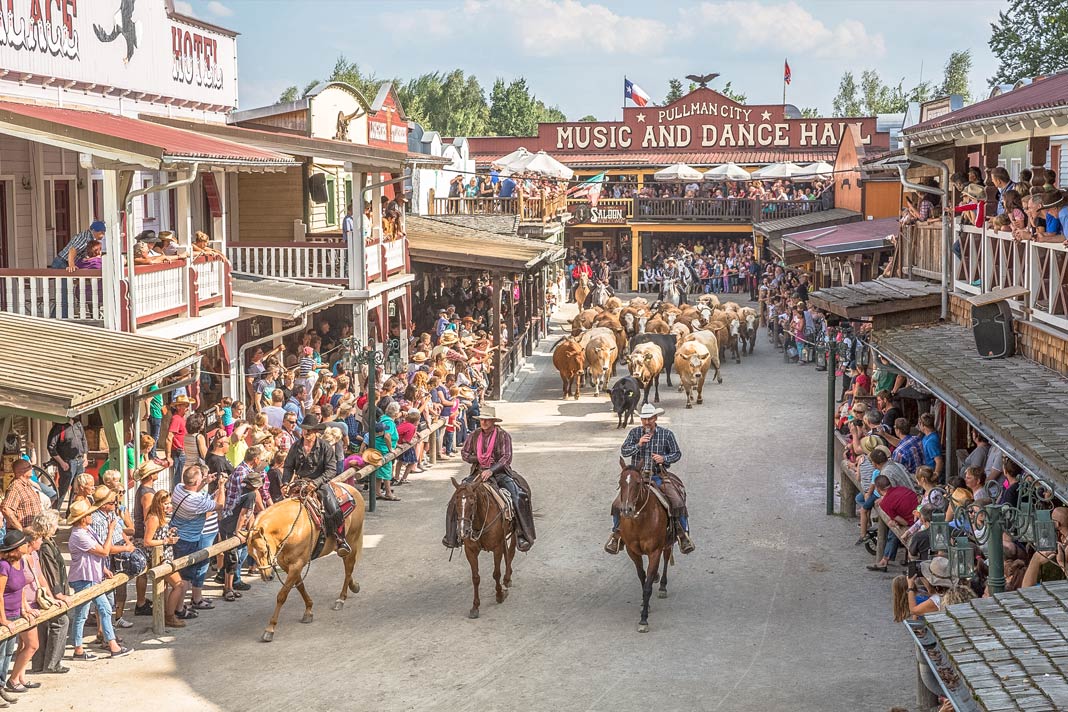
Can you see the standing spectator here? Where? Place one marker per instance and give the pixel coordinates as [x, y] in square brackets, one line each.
[68, 447]
[235, 520]
[146, 474]
[909, 450]
[155, 416]
[68, 257]
[22, 502]
[52, 634]
[157, 534]
[405, 434]
[192, 505]
[176, 432]
[275, 412]
[15, 578]
[88, 559]
[932, 446]
[106, 501]
[385, 444]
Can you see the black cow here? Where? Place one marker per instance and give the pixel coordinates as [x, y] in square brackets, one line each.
[626, 394]
[666, 342]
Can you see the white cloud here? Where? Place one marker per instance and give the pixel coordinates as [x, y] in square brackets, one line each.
[552, 28]
[184, 8]
[218, 9]
[788, 27]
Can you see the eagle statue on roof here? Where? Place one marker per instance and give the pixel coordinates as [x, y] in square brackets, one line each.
[702, 79]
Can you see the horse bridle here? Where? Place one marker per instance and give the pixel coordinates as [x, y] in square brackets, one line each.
[461, 518]
[642, 500]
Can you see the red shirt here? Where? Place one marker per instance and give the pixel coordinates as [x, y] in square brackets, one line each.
[405, 431]
[178, 428]
[900, 502]
[580, 270]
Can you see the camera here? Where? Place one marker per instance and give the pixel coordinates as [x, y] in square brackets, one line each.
[912, 568]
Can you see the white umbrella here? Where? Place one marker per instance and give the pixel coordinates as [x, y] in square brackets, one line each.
[542, 164]
[728, 171]
[818, 169]
[779, 170]
[515, 157]
[678, 172]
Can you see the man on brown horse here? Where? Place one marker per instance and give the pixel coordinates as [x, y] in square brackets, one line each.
[314, 459]
[489, 451]
[653, 449]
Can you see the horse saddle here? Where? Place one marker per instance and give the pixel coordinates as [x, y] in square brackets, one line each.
[503, 498]
[659, 495]
[310, 497]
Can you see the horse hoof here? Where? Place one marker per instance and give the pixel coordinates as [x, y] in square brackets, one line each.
[338, 605]
[700, 401]
[643, 627]
[501, 596]
[267, 636]
[473, 614]
[354, 587]
[689, 405]
[661, 594]
[307, 618]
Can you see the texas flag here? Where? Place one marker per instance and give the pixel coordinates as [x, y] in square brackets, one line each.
[634, 92]
[786, 71]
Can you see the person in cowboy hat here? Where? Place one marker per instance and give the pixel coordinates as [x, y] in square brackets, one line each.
[312, 458]
[672, 271]
[654, 449]
[176, 433]
[490, 454]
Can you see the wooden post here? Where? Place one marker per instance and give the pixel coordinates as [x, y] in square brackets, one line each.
[159, 603]
[950, 440]
[925, 699]
[1039, 153]
[496, 280]
[991, 152]
[434, 445]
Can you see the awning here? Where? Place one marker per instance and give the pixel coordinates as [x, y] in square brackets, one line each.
[773, 230]
[54, 369]
[126, 140]
[440, 242]
[370, 159]
[847, 238]
[1003, 652]
[651, 159]
[1019, 404]
[282, 298]
[882, 296]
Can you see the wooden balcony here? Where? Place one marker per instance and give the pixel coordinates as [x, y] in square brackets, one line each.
[529, 209]
[325, 260]
[161, 291]
[706, 210]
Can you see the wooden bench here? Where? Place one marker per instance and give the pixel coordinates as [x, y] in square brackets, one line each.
[848, 483]
[886, 524]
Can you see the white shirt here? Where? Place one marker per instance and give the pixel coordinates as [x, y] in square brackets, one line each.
[275, 414]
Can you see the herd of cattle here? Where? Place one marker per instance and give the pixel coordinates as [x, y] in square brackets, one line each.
[652, 339]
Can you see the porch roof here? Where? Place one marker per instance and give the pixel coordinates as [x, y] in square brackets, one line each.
[882, 296]
[858, 236]
[99, 366]
[444, 243]
[283, 298]
[128, 140]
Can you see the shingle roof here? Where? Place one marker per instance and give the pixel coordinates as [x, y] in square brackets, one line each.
[885, 295]
[834, 216]
[654, 159]
[500, 224]
[85, 367]
[446, 244]
[290, 297]
[1020, 404]
[1042, 94]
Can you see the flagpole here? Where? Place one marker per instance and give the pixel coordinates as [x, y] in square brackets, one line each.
[784, 83]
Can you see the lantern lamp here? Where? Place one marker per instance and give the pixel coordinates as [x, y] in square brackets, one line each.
[939, 531]
[961, 558]
[1044, 531]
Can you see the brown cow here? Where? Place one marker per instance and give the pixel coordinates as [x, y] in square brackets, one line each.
[611, 321]
[734, 334]
[645, 363]
[656, 325]
[585, 318]
[692, 360]
[601, 355]
[569, 360]
[613, 304]
[679, 331]
[710, 342]
[749, 324]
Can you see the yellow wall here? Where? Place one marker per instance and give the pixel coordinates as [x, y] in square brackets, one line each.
[268, 203]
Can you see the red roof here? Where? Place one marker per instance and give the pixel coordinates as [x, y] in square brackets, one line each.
[164, 142]
[1041, 94]
[654, 159]
[849, 237]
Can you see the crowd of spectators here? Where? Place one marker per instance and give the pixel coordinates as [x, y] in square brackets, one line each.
[778, 189]
[496, 188]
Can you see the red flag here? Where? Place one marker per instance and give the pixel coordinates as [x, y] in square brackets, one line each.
[786, 72]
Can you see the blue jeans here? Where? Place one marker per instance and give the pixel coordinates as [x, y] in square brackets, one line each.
[448, 442]
[103, 614]
[66, 478]
[194, 573]
[892, 543]
[7, 655]
[179, 467]
[869, 502]
[154, 425]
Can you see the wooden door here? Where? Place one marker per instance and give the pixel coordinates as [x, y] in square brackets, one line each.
[4, 248]
[61, 212]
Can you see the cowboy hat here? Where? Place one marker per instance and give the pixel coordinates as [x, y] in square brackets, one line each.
[79, 511]
[373, 458]
[182, 400]
[166, 235]
[488, 412]
[650, 411]
[418, 357]
[311, 422]
[147, 469]
[936, 571]
[103, 495]
[253, 480]
[13, 540]
[466, 393]
[868, 443]
[448, 338]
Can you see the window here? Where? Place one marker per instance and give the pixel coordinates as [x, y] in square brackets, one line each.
[148, 202]
[331, 200]
[1015, 164]
[348, 194]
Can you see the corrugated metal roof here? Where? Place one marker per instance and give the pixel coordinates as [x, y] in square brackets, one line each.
[288, 298]
[160, 142]
[440, 242]
[691, 158]
[59, 369]
[824, 217]
[1042, 94]
[848, 237]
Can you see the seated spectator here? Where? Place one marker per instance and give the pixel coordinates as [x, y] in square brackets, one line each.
[899, 504]
[1050, 566]
[977, 457]
[975, 480]
[898, 475]
[868, 492]
[932, 445]
[1011, 493]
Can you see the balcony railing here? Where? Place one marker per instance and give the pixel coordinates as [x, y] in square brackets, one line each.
[324, 261]
[921, 251]
[529, 209]
[50, 293]
[710, 210]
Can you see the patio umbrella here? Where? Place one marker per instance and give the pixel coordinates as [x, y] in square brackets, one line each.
[784, 169]
[819, 169]
[728, 171]
[515, 157]
[542, 164]
[678, 172]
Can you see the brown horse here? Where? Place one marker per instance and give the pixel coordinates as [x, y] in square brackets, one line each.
[482, 527]
[643, 527]
[582, 291]
[283, 537]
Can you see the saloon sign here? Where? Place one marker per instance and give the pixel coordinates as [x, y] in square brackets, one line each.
[586, 214]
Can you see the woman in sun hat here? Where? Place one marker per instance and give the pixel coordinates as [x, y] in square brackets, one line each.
[15, 579]
[937, 579]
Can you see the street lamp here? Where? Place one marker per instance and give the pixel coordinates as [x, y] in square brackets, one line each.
[393, 355]
[360, 355]
[1028, 521]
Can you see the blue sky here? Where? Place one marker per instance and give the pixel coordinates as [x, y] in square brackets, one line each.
[574, 53]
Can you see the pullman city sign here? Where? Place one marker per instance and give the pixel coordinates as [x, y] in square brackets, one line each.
[702, 120]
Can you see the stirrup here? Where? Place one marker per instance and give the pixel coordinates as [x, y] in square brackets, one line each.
[342, 548]
[686, 545]
[612, 545]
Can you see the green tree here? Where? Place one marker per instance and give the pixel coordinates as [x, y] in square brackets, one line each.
[846, 101]
[924, 91]
[588, 117]
[513, 110]
[453, 103]
[955, 81]
[547, 114]
[674, 91]
[1030, 38]
[880, 98]
[289, 94]
[810, 112]
[350, 73]
[735, 96]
